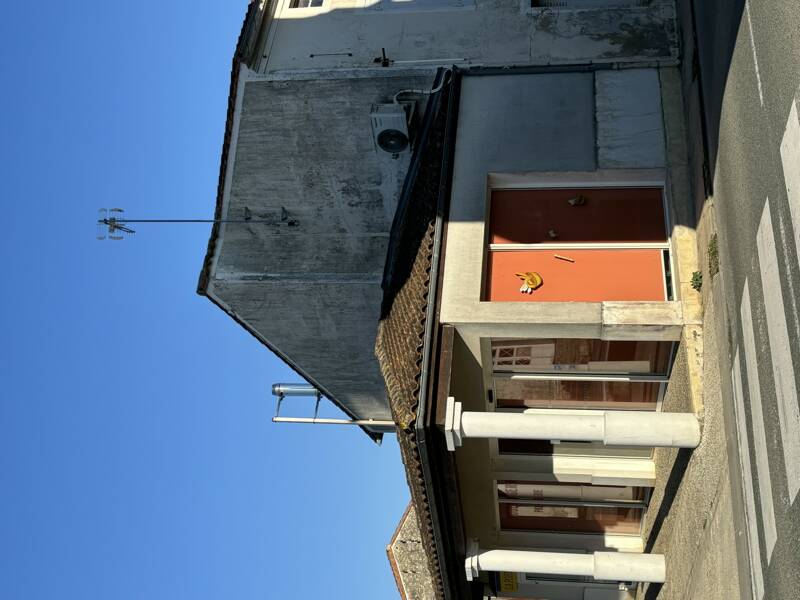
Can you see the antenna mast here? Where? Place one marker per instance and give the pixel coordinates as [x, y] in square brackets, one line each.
[112, 224]
[283, 390]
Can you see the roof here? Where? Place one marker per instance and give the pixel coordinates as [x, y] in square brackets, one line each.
[247, 54]
[240, 56]
[399, 345]
[407, 559]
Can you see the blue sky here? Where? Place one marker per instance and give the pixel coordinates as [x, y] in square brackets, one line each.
[137, 459]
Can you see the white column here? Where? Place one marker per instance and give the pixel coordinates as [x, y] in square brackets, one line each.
[602, 566]
[612, 427]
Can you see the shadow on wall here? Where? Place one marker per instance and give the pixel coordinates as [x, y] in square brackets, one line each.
[707, 57]
[491, 32]
[411, 238]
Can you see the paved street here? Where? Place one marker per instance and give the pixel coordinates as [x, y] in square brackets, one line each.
[756, 174]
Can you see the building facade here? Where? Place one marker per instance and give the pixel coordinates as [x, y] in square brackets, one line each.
[543, 279]
[496, 192]
[307, 194]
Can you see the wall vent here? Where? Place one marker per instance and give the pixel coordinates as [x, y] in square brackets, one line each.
[587, 4]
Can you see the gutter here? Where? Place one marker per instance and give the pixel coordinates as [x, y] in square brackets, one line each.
[430, 318]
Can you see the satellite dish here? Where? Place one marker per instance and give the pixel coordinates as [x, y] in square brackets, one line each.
[392, 141]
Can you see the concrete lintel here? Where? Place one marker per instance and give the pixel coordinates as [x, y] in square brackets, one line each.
[593, 470]
[525, 314]
[653, 321]
[560, 179]
[472, 332]
[570, 541]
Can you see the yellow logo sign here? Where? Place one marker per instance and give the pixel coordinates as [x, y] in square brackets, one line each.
[508, 582]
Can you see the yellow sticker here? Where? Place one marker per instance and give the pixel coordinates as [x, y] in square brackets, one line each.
[508, 582]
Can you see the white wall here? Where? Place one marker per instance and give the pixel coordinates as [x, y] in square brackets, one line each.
[480, 32]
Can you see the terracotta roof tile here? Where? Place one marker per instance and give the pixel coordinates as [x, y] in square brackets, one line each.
[399, 344]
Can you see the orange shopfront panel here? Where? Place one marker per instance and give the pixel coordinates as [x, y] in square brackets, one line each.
[590, 276]
[577, 216]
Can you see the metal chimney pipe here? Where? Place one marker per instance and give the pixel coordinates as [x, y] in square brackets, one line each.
[294, 389]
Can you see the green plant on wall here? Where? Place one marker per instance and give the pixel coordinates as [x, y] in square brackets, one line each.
[697, 280]
[713, 257]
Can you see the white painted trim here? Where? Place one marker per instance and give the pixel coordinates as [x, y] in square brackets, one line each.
[753, 542]
[755, 55]
[669, 225]
[582, 246]
[567, 376]
[637, 178]
[780, 349]
[640, 472]
[577, 541]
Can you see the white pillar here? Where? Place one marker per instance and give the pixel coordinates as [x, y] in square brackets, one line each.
[602, 566]
[612, 427]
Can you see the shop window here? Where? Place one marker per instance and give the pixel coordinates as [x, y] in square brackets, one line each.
[579, 373]
[574, 508]
[580, 355]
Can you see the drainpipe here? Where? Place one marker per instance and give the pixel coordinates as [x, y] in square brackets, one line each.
[602, 566]
[611, 427]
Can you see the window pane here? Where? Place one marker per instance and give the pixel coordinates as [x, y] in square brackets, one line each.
[553, 490]
[579, 519]
[520, 393]
[581, 355]
[530, 516]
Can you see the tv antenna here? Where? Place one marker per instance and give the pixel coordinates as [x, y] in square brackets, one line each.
[112, 224]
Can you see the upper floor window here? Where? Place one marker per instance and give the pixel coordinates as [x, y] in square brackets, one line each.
[305, 3]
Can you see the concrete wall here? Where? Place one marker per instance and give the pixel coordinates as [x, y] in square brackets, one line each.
[473, 458]
[539, 130]
[302, 157]
[351, 33]
[308, 279]
[581, 129]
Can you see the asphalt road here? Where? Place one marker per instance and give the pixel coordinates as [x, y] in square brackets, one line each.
[757, 203]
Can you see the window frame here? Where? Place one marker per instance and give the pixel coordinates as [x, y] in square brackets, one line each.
[287, 11]
[511, 181]
[648, 491]
[577, 449]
